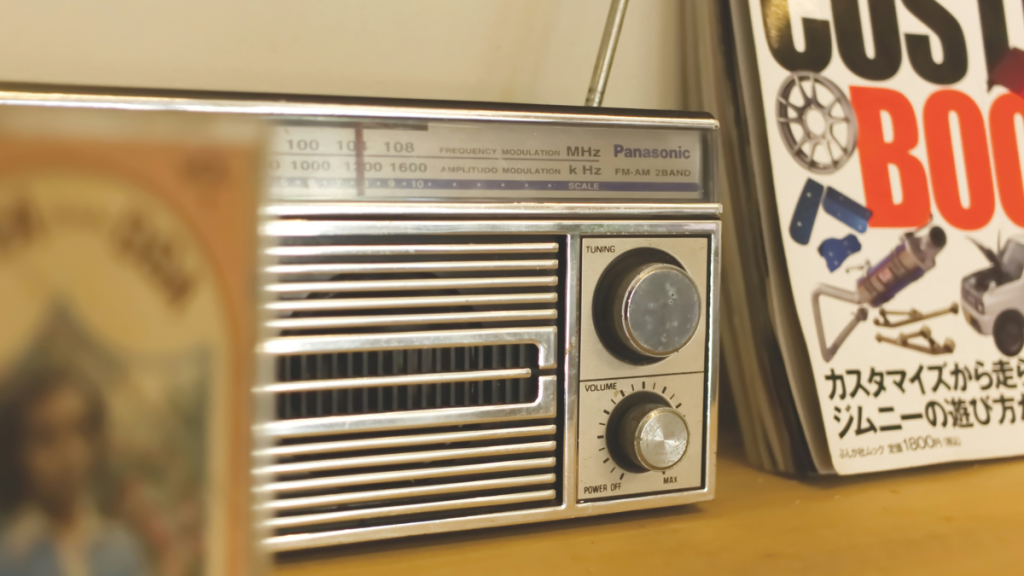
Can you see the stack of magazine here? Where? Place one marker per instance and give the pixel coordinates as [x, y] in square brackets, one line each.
[873, 296]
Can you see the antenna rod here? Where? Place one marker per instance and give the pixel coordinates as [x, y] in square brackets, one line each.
[606, 53]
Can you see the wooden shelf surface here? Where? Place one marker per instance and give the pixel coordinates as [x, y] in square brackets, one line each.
[952, 519]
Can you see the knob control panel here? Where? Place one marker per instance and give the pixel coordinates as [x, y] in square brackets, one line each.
[640, 436]
[644, 306]
[643, 381]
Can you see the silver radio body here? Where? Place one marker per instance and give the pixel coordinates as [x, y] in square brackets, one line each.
[523, 329]
[478, 316]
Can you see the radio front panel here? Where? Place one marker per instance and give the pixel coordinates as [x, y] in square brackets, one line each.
[476, 315]
[417, 399]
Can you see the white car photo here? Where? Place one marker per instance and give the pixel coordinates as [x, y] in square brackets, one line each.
[993, 299]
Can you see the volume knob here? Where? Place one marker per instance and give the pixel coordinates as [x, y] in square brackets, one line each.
[653, 436]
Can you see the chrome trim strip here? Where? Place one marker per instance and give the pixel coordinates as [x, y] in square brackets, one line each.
[545, 406]
[299, 227]
[400, 475]
[399, 267]
[401, 380]
[418, 491]
[406, 458]
[495, 209]
[412, 302]
[348, 515]
[544, 337]
[712, 367]
[69, 99]
[571, 368]
[413, 249]
[545, 227]
[425, 284]
[402, 441]
[411, 319]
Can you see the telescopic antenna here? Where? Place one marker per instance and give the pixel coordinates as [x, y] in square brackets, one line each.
[606, 53]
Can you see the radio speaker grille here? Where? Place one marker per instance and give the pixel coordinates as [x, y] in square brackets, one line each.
[417, 379]
[375, 382]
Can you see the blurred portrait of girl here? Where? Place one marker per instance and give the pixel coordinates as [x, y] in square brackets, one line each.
[56, 496]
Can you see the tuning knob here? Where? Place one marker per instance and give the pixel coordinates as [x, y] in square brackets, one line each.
[652, 436]
[655, 310]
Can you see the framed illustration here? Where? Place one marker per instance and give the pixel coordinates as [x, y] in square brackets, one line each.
[127, 261]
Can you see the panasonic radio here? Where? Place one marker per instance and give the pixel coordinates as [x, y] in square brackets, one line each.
[476, 315]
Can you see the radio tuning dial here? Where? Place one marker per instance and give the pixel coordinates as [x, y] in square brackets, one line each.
[655, 310]
[652, 436]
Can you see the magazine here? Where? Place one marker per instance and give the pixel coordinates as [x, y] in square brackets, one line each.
[883, 186]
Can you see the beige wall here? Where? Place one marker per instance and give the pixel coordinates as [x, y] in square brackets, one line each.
[534, 51]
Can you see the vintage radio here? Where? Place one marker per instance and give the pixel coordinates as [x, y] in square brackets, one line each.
[478, 315]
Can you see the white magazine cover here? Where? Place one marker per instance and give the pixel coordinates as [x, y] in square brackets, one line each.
[896, 137]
